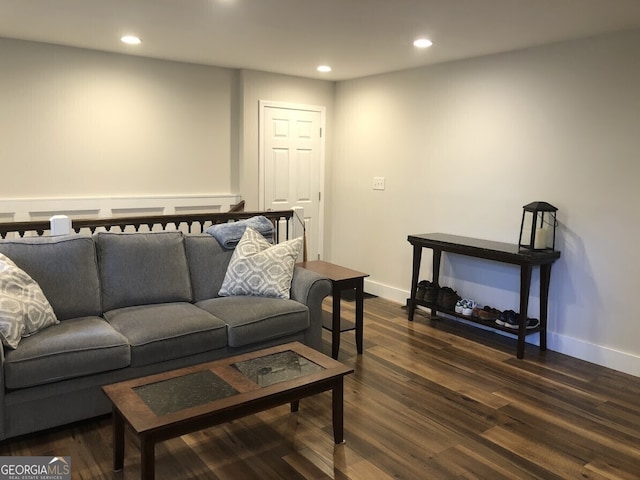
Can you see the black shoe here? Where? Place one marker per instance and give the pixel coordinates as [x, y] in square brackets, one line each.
[422, 286]
[431, 293]
[447, 298]
[532, 323]
[508, 319]
[511, 319]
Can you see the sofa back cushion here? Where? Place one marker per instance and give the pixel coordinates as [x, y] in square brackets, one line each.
[142, 268]
[65, 268]
[208, 263]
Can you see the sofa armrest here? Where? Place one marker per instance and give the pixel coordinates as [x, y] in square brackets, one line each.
[311, 289]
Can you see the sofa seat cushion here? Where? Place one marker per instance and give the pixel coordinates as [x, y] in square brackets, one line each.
[252, 319]
[72, 348]
[162, 332]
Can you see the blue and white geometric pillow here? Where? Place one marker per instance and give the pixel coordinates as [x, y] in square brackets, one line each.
[23, 307]
[259, 268]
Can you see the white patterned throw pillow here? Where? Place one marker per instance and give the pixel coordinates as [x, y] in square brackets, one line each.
[23, 307]
[259, 268]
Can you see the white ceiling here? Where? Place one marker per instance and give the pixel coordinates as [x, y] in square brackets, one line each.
[356, 37]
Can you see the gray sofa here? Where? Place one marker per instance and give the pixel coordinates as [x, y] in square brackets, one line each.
[132, 305]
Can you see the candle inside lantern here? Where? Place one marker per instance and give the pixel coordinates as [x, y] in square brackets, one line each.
[540, 241]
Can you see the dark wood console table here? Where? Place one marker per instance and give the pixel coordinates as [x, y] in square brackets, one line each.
[496, 251]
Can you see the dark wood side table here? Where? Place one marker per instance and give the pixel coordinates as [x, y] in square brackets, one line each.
[341, 279]
[496, 251]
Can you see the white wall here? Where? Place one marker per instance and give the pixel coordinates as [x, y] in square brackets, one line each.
[77, 122]
[465, 145]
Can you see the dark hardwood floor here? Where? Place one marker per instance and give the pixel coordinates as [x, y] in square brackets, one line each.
[428, 400]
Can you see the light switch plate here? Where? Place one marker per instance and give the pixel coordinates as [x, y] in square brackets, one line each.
[378, 183]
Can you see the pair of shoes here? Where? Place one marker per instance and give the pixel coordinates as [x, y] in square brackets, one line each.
[511, 319]
[508, 319]
[427, 291]
[465, 307]
[489, 313]
[447, 298]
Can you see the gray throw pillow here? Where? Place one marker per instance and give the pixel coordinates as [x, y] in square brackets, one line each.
[259, 268]
[23, 307]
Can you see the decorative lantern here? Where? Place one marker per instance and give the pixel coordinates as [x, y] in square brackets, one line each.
[538, 227]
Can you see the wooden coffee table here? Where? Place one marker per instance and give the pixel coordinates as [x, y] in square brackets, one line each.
[171, 404]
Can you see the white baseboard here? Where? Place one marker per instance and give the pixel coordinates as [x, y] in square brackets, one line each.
[385, 291]
[598, 354]
[573, 347]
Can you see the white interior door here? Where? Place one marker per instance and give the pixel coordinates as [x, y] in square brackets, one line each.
[292, 161]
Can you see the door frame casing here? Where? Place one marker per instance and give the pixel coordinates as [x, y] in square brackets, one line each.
[262, 106]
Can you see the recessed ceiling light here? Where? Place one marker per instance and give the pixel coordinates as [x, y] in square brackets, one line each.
[130, 40]
[324, 68]
[422, 43]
